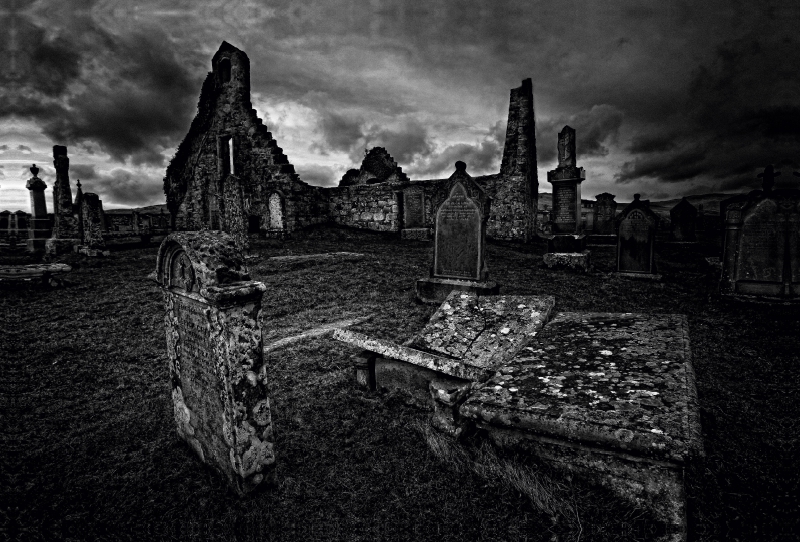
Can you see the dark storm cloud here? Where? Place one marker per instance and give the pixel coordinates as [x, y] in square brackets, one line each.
[123, 187]
[83, 171]
[594, 128]
[404, 143]
[481, 158]
[127, 94]
[24, 148]
[340, 132]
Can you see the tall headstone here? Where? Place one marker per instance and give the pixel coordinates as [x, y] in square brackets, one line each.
[92, 222]
[567, 226]
[65, 225]
[462, 209]
[214, 345]
[683, 221]
[761, 250]
[39, 227]
[605, 211]
[414, 214]
[636, 239]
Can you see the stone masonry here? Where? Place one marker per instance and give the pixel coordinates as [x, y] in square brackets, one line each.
[227, 138]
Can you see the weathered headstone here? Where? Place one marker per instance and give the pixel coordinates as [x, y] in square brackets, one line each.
[567, 227]
[275, 212]
[605, 212]
[39, 228]
[65, 225]
[459, 241]
[414, 214]
[214, 345]
[761, 252]
[636, 239]
[683, 221]
[92, 224]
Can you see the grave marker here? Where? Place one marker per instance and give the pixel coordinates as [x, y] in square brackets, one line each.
[683, 221]
[39, 230]
[459, 241]
[414, 215]
[636, 239]
[214, 345]
[605, 212]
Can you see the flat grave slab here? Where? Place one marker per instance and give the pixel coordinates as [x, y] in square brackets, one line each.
[608, 396]
[49, 274]
[290, 262]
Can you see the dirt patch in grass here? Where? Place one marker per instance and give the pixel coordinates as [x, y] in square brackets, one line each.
[89, 450]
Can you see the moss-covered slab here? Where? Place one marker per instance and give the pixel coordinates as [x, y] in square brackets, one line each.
[481, 330]
[623, 382]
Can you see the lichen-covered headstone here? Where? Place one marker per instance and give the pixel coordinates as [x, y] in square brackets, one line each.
[636, 238]
[219, 380]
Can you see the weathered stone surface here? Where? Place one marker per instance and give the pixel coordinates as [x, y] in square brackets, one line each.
[683, 221]
[566, 180]
[219, 379]
[433, 290]
[579, 261]
[417, 234]
[65, 225]
[483, 330]
[92, 222]
[636, 238]
[460, 235]
[413, 208]
[610, 397]
[761, 253]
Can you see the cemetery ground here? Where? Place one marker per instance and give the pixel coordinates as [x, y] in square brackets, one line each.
[90, 450]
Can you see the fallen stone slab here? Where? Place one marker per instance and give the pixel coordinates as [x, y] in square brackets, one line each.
[341, 256]
[463, 341]
[34, 274]
[609, 397]
[315, 332]
[579, 261]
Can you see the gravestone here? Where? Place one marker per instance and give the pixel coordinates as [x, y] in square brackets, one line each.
[459, 241]
[605, 211]
[92, 222]
[636, 239]
[567, 226]
[234, 217]
[39, 228]
[216, 365]
[275, 212]
[761, 251]
[683, 221]
[414, 214]
[65, 226]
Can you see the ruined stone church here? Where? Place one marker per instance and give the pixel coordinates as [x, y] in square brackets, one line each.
[229, 173]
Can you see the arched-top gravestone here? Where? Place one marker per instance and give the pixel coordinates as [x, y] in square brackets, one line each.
[636, 238]
[219, 381]
[459, 259]
[761, 252]
[683, 221]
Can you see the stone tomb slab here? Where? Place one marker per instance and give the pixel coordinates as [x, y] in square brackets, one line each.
[462, 342]
[610, 397]
[214, 346]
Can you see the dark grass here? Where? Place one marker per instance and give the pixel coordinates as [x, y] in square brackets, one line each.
[89, 450]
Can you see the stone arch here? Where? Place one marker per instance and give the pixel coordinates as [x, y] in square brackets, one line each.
[174, 268]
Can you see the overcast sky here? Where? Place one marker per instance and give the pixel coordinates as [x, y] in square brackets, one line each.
[668, 98]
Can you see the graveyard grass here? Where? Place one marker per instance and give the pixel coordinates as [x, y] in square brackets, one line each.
[95, 456]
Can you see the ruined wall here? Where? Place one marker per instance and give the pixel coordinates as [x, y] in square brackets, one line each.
[374, 207]
[227, 140]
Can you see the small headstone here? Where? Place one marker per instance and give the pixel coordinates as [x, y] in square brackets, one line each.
[459, 241]
[413, 208]
[92, 222]
[683, 220]
[214, 345]
[605, 212]
[636, 238]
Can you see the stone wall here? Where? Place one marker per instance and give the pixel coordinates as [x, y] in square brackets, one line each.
[227, 140]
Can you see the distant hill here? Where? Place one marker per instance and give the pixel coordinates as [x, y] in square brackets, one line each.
[150, 209]
[710, 203]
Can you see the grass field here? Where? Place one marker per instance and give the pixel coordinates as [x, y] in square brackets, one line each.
[89, 451]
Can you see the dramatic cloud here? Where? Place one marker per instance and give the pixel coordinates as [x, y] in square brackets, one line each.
[593, 129]
[318, 175]
[481, 158]
[121, 187]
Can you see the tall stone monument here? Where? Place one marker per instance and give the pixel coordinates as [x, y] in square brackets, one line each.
[567, 245]
[216, 365]
[636, 240]
[683, 222]
[92, 221]
[459, 263]
[39, 227]
[761, 250]
[65, 225]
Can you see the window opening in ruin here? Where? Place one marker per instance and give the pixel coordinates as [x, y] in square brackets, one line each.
[230, 156]
[225, 70]
[225, 156]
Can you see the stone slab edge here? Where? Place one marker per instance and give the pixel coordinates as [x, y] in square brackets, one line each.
[392, 350]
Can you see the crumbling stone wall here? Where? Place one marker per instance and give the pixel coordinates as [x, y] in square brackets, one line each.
[227, 140]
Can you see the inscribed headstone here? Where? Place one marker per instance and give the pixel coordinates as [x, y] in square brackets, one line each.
[636, 238]
[459, 237]
[413, 208]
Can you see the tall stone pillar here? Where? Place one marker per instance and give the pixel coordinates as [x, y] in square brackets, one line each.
[39, 227]
[65, 225]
